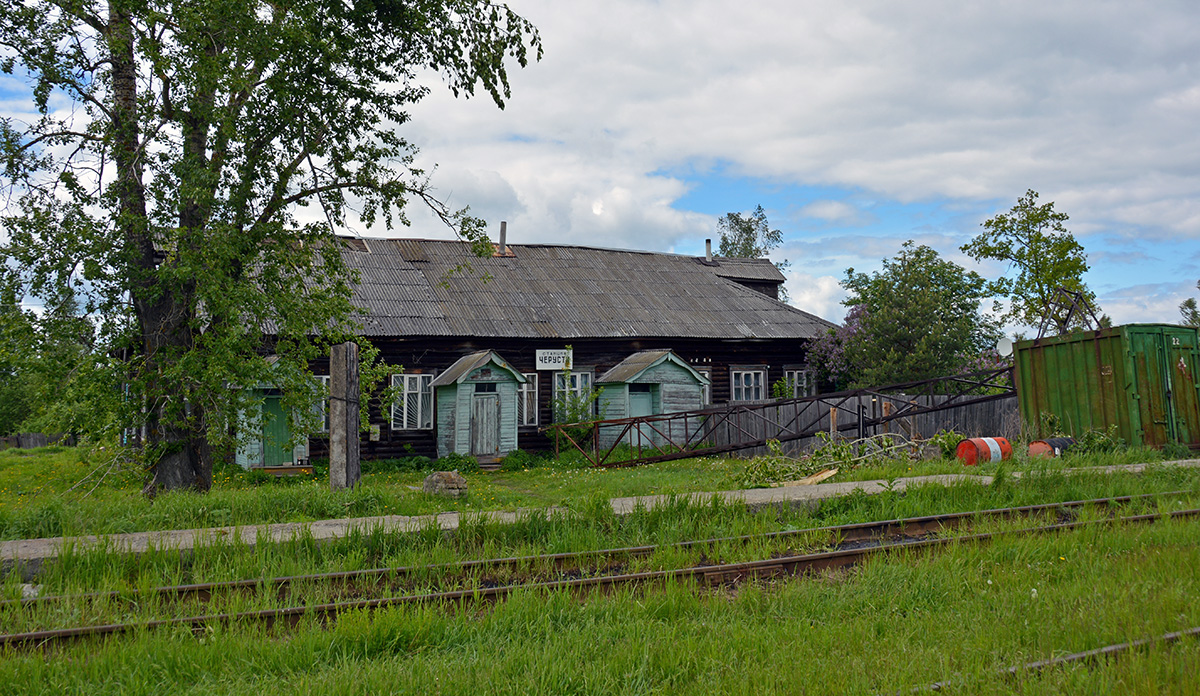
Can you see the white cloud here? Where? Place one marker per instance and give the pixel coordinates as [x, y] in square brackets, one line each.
[1092, 104]
[820, 295]
[1146, 303]
[836, 212]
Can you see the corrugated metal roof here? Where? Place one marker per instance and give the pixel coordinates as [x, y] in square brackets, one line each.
[411, 287]
[745, 269]
[464, 366]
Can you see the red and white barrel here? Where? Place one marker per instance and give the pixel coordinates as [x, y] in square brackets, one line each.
[979, 450]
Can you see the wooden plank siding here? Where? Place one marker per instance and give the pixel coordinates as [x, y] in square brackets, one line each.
[987, 419]
[432, 355]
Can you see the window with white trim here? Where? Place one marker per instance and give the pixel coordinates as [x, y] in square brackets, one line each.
[746, 385]
[800, 382]
[413, 409]
[321, 407]
[527, 403]
[705, 389]
[568, 388]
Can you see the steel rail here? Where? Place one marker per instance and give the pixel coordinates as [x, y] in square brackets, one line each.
[1113, 650]
[711, 574]
[841, 534]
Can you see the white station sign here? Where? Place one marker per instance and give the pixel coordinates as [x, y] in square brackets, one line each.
[554, 359]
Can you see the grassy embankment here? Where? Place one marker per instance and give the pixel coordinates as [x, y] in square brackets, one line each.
[895, 623]
[64, 491]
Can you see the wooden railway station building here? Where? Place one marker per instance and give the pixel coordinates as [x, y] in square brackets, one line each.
[469, 334]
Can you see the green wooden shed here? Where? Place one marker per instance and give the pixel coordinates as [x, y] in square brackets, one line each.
[648, 383]
[476, 410]
[1141, 378]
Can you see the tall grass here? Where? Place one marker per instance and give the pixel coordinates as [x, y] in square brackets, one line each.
[894, 624]
[37, 499]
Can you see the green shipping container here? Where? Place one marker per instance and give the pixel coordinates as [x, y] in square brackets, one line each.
[1140, 377]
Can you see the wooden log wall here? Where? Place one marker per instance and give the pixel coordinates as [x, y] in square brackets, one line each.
[432, 355]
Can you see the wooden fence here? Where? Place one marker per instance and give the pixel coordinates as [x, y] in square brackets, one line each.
[999, 417]
[32, 440]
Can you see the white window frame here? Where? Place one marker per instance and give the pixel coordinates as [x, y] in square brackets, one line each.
[413, 386]
[747, 383]
[579, 381]
[705, 389]
[801, 381]
[321, 407]
[527, 400]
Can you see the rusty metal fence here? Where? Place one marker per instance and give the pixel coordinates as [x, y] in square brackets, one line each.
[975, 401]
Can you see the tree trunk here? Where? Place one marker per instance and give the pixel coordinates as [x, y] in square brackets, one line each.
[162, 313]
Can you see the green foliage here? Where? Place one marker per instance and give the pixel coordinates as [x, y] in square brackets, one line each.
[47, 371]
[163, 188]
[947, 442]
[1049, 425]
[571, 407]
[775, 467]
[520, 460]
[1096, 440]
[1189, 311]
[919, 319]
[462, 463]
[1177, 450]
[783, 388]
[1031, 238]
[398, 466]
[750, 237]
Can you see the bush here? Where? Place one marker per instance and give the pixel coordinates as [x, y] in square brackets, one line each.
[398, 466]
[462, 463]
[517, 460]
[947, 441]
[1095, 440]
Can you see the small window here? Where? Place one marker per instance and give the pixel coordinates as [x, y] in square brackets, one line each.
[644, 388]
[321, 407]
[489, 388]
[527, 403]
[706, 390]
[746, 385]
[800, 383]
[413, 409]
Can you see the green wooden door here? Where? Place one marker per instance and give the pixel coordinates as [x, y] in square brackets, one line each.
[275, 433]
[641, 403]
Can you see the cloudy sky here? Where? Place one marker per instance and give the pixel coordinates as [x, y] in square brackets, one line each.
[856, 125]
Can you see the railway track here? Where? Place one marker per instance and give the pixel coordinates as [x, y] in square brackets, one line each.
[852, 544]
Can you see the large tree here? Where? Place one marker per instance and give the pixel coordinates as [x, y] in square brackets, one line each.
[164, 175]
[750, 237]
[917, 318]
[1032, 239]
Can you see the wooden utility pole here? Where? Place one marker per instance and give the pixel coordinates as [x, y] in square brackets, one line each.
[344, 467]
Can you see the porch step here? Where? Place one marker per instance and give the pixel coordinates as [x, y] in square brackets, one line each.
[288, 470]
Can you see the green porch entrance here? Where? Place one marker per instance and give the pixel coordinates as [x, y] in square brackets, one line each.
[276, 451]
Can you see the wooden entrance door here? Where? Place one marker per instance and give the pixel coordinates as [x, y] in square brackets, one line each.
[485, 425]
[276, 450]
[641, 403]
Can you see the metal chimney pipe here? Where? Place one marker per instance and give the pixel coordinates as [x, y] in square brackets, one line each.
[708, 250]
[503, 237]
